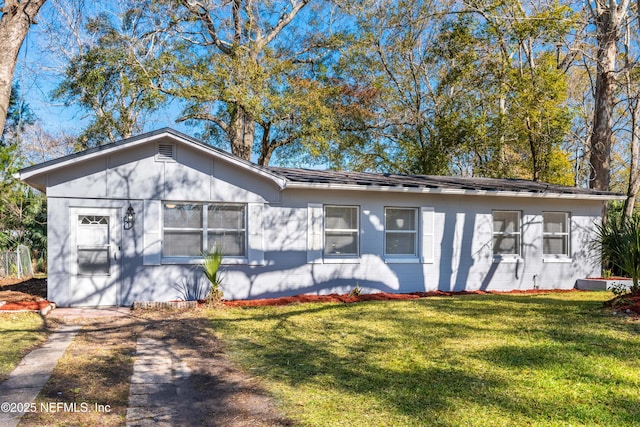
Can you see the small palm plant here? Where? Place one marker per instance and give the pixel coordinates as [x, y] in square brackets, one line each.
[619, 240]
[211, 268]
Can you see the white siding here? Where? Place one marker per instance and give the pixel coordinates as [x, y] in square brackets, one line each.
[314, 232]
[255, 233]
[152, 241]
[427, 243]
[284, 233]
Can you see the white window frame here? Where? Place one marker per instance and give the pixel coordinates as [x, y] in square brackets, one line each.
[204, 230]
[207, 245]
[83, 228]
[415, 230]
[557, 257]
[517, 233]
[326, 230]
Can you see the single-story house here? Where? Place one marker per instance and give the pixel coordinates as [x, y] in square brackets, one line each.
[128, 222]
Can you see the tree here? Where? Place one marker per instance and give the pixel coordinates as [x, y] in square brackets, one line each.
[634, 164]
[412, 124]
[609, 19]
[471, 87]
[255, 79]
[22, 210]
[19, 115]
[16, 18]
[631, 74]
[106, 78]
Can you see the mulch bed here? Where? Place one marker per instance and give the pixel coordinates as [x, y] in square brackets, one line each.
[31, 295]
[380, 296]
[23, 295]
[25, 305]
[628, 304]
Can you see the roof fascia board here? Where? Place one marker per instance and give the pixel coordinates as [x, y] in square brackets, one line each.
[173, 135]
[450, 191]
[281, 182]
[63, 162]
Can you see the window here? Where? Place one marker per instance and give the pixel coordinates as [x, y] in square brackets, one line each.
[506, 233]
[341, 231]
[401, 232]
[93, 245]
[190, 229]
[226, 229]
[555, 233]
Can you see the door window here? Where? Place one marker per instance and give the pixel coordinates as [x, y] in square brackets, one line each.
[93, 245]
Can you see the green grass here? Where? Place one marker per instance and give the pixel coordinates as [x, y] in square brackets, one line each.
[498, 360]
[19, 333]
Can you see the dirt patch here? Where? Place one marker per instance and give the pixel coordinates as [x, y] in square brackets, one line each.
[19, 294]
[379, 296]
[222, 394]
[627, 304]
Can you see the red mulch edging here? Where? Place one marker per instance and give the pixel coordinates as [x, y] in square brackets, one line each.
[25, 305]
[379, 296]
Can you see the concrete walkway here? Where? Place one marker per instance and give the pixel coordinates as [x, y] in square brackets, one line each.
[88, 313]
[31, 374]
[159, 385]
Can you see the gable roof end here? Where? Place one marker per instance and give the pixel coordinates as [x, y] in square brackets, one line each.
[29, 173]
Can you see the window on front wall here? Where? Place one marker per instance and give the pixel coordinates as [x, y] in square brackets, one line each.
[555, 233]
[226, 229]
[401, 232]
[193, 228]
[506, 233]
[341, 231]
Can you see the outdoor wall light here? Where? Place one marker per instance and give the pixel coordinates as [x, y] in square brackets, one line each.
[129, 218]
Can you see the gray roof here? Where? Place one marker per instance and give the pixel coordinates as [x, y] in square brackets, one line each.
[309, 176]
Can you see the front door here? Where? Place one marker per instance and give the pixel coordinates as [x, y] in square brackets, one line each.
[95, 256]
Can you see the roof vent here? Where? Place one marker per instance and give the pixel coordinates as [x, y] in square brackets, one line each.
[166, 153]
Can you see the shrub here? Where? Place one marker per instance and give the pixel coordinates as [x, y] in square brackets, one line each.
[619, 242]
[355, 292]
[211, 268]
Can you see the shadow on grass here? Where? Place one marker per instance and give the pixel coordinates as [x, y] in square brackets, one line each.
[98, 365]
[548, 377]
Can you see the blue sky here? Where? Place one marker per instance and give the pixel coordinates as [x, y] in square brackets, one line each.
[38, 74]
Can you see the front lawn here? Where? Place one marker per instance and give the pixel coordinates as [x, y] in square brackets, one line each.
[475, 360]
[19, 333]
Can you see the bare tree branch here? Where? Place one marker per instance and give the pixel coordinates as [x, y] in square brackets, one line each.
[208, 117]
[284, 20]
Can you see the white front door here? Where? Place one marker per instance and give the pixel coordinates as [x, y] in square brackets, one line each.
[95, 256]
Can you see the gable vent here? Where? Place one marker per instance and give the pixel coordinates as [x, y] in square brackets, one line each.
[166, 152]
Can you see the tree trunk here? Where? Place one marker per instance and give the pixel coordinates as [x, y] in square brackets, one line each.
[17, 17]
[266, 150]
[241, 133]
[633, 107]
[535, 157]
[634, 167]
[608, 28]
